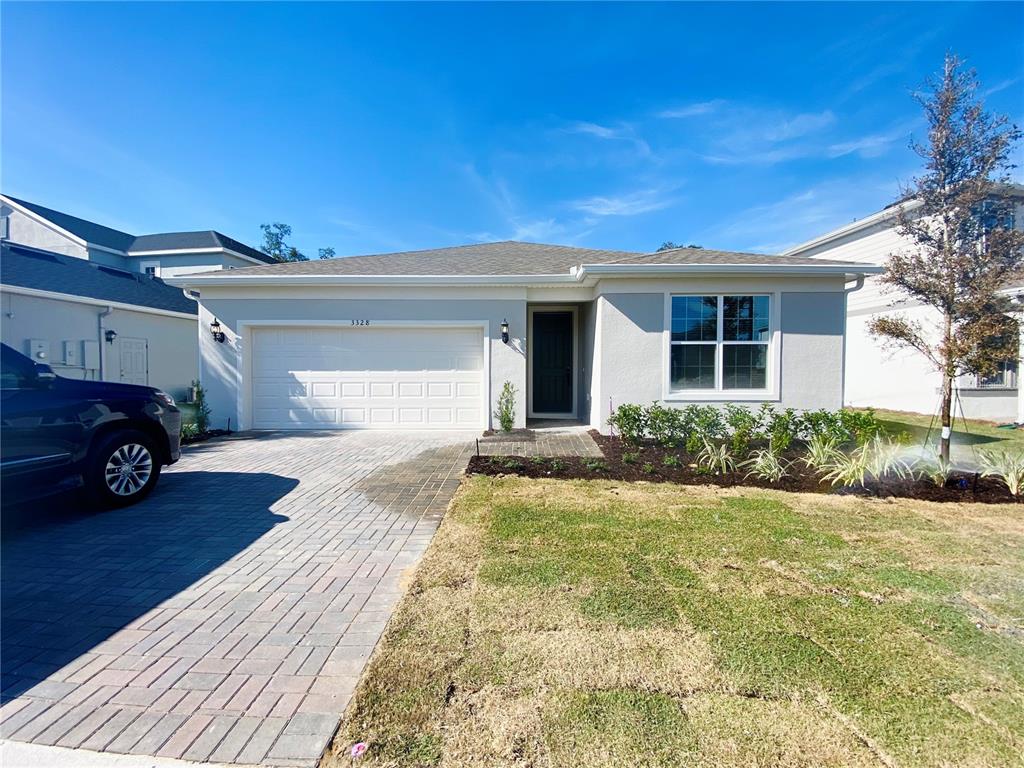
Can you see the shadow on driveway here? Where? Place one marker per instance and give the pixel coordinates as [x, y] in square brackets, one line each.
[74, 578]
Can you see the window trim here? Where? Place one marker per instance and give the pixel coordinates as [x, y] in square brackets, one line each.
[772, 375]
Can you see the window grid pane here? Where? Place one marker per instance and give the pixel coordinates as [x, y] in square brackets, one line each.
[744, 366]
[745, 318]
[694, 318]
[693, 366]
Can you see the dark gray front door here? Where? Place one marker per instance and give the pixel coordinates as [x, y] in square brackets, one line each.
[552, 362]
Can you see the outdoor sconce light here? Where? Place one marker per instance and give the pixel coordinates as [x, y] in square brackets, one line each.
[504, 331]
[218, 334]
[110, 336]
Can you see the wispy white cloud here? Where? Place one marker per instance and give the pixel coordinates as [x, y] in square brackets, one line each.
[1000, 86]
[630, 204]
[623, 132]
[799, 125]
[692, 110]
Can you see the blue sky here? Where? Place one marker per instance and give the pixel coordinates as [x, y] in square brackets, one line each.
[374, 128]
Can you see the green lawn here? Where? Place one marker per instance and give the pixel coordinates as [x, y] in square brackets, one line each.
[592, 623]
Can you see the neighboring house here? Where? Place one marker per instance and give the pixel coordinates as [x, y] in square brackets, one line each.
[426, 339]
[901, 379]
[90, 300]
[164, 254]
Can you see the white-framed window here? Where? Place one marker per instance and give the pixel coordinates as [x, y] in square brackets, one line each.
[150, 268]
[720, 342]
[1004, 378]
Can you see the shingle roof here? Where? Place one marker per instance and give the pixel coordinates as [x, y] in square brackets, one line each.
[87, 230]
[97, 234]
[46, 271]
[511, 258]
[172, 241]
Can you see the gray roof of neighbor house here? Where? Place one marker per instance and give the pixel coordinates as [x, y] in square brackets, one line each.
[97, 234]
[46, 271]
[514, 258]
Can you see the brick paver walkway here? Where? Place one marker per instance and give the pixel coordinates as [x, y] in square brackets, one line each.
[572, 439]
[227, 617]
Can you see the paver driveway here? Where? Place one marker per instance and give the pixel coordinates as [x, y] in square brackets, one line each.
[227, 617]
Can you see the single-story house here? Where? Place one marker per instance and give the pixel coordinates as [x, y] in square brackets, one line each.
[427, 339]
[901, 379]
[90, 300]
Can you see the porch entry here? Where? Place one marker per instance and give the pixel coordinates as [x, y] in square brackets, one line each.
[552, 358]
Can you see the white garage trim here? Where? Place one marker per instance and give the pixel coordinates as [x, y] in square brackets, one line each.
[244, 354]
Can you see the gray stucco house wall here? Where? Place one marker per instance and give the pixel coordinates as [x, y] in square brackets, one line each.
[298, 338]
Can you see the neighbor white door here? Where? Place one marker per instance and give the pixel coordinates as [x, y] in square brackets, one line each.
[134, 360]
[367, 378]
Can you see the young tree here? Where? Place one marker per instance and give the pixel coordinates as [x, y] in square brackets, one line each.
[962, 245]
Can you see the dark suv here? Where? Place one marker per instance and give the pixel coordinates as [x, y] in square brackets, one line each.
[57, 434]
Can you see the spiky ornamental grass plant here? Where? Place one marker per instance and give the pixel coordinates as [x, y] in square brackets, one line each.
[962, 245]
[822, 451]
[1008, 466]
[766, 464]
[716, 459]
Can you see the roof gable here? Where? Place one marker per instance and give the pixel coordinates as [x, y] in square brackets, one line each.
[128, 244]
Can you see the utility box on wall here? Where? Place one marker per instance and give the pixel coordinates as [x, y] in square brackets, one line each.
[91, 355]
[39, 350]
[71, 356]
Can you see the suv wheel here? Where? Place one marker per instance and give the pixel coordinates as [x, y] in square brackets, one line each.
[122, 469]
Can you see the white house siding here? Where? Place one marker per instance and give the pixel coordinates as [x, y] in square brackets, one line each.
[226, 374]
[176, 264]
[173, 362]
[27, 231]
[631, 359]
[882, 377]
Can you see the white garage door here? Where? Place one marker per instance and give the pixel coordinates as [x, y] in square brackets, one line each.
[367, 378]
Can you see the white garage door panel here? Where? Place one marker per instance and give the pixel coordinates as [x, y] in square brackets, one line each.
[366, 378]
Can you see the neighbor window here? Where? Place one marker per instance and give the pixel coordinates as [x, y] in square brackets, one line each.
[719, 342]
[1005, 377]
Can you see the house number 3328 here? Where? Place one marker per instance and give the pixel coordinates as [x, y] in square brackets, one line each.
[360, 322]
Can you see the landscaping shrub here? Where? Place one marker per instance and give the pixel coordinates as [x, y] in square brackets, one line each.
[781, 427]
[744, 427]
[630, 421]
[666, 425]
[506, 412]
[202, 409]
[705, 423]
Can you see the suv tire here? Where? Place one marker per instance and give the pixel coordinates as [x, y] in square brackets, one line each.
[121, 469]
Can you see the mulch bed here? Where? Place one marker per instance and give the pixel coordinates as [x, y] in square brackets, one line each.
[960, 488]
[201, 436]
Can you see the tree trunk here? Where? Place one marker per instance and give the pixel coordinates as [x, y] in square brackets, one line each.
[947, 395]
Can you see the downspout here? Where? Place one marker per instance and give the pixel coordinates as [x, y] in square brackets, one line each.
[858, 283]
[103, 350]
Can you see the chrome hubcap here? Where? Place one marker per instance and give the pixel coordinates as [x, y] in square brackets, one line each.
[128, 469]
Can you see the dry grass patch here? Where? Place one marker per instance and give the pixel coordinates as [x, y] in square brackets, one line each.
[590, 623]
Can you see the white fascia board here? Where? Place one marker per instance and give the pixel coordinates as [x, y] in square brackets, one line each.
[868, 221]
[186, 251]
[647, 270]
[198, 281]
[41, 294]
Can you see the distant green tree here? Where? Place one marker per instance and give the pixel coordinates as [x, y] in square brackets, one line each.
[275, 244]
[668, 245]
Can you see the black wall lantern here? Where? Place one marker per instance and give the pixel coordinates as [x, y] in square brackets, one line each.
[218, 334]
[110, 336]
[504, 331]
